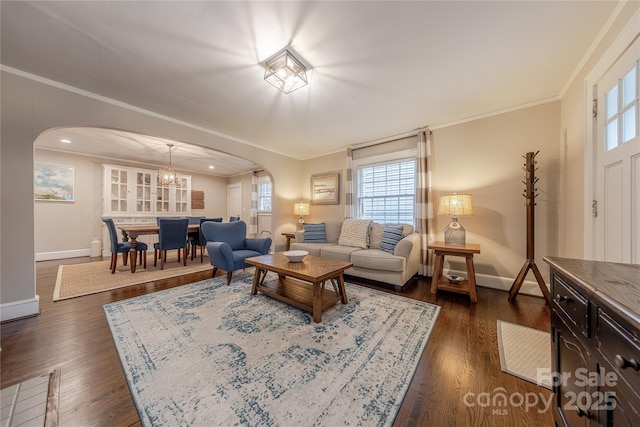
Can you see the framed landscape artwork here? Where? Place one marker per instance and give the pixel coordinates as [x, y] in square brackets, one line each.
[54, 182]
[325, 189]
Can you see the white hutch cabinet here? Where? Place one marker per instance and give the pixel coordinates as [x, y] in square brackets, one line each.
[132, 196]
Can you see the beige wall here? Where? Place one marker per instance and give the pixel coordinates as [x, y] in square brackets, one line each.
[485, 158]
[66, 229]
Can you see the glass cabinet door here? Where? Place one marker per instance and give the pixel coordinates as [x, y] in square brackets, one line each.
[119, 190]
[163, 199]
[144, 181]
[182, 201]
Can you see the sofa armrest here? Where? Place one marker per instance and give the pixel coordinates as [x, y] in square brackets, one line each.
[299, 236]
[405, 246]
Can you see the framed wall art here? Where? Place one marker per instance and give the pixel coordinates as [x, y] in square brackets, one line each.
[54, 182]
[325, 189]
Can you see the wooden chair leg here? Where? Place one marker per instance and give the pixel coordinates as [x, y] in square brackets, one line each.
[201, 254]
[125, 256]
[215, 269]
[155, 257]
[114, 261]
[229, 273]
[184, 258]
[162, 260]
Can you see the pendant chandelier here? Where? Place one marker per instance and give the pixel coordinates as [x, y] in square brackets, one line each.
[168, 176]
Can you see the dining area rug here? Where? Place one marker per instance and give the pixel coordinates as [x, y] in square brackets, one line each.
[76, 280]
[215, 355]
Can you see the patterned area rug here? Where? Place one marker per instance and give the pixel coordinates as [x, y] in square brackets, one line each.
[523, 351]
[90, 278]
[211, 354]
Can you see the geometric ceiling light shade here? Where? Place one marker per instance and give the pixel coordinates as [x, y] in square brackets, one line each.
[168, 176]
[285, 71]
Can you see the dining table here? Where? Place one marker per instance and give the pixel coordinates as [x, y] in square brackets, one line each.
[130, 234]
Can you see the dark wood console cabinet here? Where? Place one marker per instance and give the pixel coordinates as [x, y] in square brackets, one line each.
[595, 341]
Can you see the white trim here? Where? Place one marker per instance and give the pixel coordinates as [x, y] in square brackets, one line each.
[619, 45]
[75, 253]
[500, 283]
[20, 309]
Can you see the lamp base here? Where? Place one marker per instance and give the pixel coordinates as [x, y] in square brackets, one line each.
[454, 233]
[300, 224]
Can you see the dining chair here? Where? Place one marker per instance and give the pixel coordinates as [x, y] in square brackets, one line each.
[199, 240]
[123, 247]
[172, 234]
[228, 246]
[234, 218]
[193, 235]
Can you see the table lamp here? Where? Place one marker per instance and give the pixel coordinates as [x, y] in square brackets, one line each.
[301, 209]
[455, 205]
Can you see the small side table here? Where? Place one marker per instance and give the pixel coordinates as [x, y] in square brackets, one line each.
[467, 287]
[289, 236]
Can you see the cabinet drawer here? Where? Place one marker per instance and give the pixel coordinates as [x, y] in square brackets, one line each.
[621, 348]
[149, 221]
[572, 304]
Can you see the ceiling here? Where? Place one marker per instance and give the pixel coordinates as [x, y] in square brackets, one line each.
[379, 68]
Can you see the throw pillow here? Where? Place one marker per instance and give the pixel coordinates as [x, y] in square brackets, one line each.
[390, 237]
[355, 233]
[314, 233]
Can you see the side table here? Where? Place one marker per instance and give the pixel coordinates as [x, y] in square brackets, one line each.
[467, 287]
[289, 236]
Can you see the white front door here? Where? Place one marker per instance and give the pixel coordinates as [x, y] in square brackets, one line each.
[234, 200]
[617, 161]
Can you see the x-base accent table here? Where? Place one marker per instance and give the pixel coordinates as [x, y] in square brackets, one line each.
[467, 287]
[290, 286]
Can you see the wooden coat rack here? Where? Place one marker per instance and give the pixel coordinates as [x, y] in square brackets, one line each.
[530, 194]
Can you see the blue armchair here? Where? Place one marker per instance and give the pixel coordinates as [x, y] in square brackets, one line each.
[122, 247]
[172, 235]
[228, 246]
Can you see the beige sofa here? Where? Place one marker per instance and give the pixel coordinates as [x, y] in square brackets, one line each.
[371, 263]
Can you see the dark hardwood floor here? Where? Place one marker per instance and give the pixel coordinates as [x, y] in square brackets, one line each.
[461, 358]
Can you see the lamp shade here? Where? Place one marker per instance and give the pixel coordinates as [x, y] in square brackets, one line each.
[301, 209]
[455, 205]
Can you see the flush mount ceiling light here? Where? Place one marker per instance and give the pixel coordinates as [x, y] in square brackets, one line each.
[285, 71]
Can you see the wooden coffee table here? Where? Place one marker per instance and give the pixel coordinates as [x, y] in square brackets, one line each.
[301, 284]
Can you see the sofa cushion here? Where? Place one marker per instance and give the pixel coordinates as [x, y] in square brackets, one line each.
[390, 237]
[355, 233]
[313, 248]
[377, 259]
[314, 233]
[343, 253]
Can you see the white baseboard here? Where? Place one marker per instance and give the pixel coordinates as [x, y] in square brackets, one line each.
[46, 256]
[529, 287]
[19, 309]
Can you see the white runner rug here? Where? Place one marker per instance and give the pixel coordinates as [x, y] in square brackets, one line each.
[525, 353]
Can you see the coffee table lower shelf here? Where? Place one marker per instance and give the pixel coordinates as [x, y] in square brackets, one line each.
[299, 294]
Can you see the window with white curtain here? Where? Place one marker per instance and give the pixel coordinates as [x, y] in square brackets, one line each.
[386, 191]
[264, 194]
